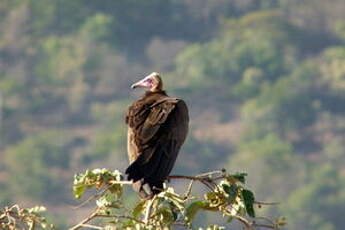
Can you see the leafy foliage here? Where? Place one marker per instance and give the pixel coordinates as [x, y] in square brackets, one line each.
[226, 196]
[15, 217]
[243, 45]
[97, 178]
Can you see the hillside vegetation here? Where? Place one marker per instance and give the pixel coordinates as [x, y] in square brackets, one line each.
[264, 81]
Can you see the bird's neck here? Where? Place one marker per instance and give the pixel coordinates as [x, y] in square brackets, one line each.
[158, 92]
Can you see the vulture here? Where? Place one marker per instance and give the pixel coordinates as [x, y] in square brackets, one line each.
[157, 128]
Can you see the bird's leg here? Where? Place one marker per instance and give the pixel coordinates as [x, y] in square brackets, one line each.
[147, 190]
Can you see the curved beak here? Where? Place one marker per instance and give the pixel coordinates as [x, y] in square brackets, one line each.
[134, 86]
[138, 84]
[141, 84]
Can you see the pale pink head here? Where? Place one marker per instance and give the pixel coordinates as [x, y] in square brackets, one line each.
[152, 82]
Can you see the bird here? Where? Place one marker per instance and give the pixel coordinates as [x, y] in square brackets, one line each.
[157, 128]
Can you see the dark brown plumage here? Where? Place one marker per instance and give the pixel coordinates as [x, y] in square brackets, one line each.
[157, 128]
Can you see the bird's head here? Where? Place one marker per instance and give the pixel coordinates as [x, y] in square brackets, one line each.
[152, 82]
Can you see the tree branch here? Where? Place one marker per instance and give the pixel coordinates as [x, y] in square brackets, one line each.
[87, 219]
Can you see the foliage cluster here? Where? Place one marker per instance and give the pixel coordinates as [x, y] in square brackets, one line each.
[225, 195]
[15, 217]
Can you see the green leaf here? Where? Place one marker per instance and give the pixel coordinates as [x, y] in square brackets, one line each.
[108, 201]
[116, 189]
[215, 227]
[231, 190]
[230, 218]
[110, 227]
[78, 191]
[96, 178]
[211, 196]
[128, 224]
[37, 209]
[174, 199]
[167, 214]
[193, 209]
[248, 199]
[177, 203]
[241, 177]
[138, 209]
[281, 221]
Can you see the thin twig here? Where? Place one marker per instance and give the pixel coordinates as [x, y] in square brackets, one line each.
[265, 226]
[91, 226]
[120, 216]
[206, 181]
[189, 189]
[101, 193]
[244, 221]
[210, 173]
[218, 178]
[91, 198]
[120, 182]
[87, 219]
[32, 226]
[266, 219]
[186, 177]
[266, 203]
[148, 210]
[249, 225]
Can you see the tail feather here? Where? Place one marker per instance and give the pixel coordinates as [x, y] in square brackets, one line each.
[148, 177]
[144, 168]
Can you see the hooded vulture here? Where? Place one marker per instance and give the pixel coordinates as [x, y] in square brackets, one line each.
[157, 128]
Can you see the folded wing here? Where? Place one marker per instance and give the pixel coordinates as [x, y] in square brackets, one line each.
[156, 132]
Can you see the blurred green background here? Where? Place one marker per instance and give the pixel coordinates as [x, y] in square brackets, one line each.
[264, 81]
